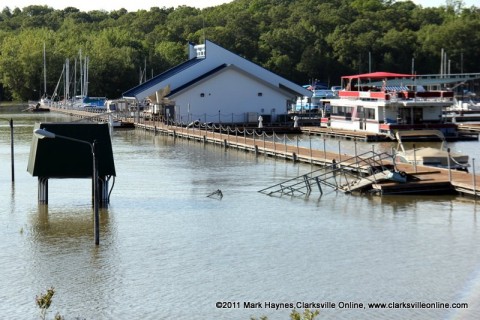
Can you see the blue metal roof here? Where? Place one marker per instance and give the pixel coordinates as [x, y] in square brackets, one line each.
[161, 77]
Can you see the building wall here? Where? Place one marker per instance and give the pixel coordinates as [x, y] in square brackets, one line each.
[228, 98]
[212, 57]
[432, 113]
[369, 126]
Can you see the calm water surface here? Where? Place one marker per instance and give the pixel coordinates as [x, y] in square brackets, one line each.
[167, 251]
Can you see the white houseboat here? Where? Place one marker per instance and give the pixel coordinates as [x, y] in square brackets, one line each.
[314, 103]
[383, 102]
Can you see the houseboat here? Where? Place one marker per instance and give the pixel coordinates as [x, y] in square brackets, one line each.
[310, 109]
[315, 103]
[383, 103]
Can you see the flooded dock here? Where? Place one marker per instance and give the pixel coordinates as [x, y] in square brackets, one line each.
[421, 179]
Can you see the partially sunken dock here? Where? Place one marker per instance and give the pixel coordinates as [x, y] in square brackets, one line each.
[418, 179]
[415, 180]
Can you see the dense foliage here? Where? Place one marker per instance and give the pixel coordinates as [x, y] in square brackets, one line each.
[298, 39]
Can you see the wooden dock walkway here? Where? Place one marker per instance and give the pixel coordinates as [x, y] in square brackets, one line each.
[347, 134]
[423, 178]
[469, 127]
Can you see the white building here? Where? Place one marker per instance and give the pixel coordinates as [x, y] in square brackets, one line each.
[216, 85]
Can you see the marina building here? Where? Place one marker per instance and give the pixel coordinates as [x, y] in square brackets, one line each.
[218, 86]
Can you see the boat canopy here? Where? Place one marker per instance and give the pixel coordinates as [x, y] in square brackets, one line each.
[379, 75]
[419, 134]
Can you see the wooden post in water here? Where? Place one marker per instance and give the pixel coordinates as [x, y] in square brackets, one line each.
[263, 134]
[311, 154]
[356, 154]
[414, 159]
[297, 146]
[11, 149]
[274, 145]
[339, 152]
[474, 178]
[324, 151]
[448, 164]
[96, 218]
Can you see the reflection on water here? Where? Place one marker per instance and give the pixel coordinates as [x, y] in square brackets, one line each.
[50, 227]
[169, 251]
[62, 252]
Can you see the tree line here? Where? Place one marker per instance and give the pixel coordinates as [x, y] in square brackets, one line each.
[301, 40]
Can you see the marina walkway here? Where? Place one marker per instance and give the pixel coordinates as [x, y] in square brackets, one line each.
[424, 178]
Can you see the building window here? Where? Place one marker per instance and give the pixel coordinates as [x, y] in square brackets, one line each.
[202, 94]
[342, 112]
[260, 94]
[370, 113]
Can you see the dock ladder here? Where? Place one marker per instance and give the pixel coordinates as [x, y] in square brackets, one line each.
[352, 174]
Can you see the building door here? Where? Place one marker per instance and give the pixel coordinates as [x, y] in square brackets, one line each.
[404, 116]
[417, 115]
[361, 118]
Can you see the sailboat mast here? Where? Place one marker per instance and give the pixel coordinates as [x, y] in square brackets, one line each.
[67, 80]
[81, 72]
[44, 71]
[85, 86]
[75, 80]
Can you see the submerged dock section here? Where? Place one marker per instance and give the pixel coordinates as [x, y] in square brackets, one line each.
[372, 173]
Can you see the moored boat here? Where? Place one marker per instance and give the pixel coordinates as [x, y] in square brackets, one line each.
[36, 107]
[428, 155]
[383, 102]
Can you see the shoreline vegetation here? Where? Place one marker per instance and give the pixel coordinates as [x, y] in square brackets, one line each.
[13, 103]
[295, 39]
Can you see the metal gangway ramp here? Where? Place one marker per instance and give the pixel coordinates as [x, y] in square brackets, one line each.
[352, 174]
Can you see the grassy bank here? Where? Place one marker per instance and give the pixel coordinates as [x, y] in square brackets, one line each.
[13, 103]
[9, 106]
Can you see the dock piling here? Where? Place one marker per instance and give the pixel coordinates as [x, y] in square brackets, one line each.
[11, 149]
[474, 178]
[449, 167]
[414, 159]
[43, 190]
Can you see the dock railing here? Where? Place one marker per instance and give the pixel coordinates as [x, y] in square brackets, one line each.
[340, 176]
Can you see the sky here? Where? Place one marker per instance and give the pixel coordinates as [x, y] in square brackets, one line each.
[132, 5]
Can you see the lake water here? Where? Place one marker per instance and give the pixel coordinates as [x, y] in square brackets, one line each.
[167, 251]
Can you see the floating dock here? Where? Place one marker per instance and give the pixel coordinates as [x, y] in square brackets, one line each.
[346, 134]
[422, 179]
[465, 133]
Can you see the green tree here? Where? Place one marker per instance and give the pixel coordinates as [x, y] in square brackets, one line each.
[21, 63]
